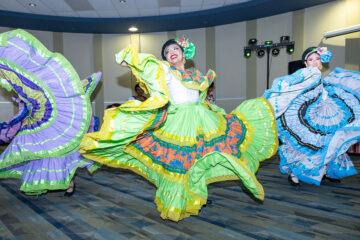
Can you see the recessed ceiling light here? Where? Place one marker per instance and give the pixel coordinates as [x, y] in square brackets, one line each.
[32, 4]
[122, 1]
[133, 29]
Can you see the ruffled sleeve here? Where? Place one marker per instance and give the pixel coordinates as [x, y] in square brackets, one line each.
[151, 76]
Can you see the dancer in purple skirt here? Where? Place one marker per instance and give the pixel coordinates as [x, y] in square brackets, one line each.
[44, 151]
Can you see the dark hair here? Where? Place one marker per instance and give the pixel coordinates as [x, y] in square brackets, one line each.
[137, 86]
[113, 105]
[168, 43]
[307, 53]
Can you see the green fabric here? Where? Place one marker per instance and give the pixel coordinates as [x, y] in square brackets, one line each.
[260, 114]
[180, 194]
[149, 73]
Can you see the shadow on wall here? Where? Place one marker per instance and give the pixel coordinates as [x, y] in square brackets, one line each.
[96, 91]
[125, 80]
[6, 94]
[352, 53]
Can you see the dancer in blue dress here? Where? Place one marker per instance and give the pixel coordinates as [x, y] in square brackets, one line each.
[318, 119]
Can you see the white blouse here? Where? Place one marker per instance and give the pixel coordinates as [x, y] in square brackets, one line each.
[178, 92]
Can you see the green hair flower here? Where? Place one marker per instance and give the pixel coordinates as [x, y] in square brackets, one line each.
[189, 47]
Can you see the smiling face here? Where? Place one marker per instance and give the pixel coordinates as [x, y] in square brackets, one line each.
[313, 60]
[174, 54]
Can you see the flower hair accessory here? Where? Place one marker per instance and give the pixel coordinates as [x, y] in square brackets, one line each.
[189, 47]
[324, 53]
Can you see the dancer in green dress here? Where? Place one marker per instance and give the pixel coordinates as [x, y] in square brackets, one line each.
[176, 139]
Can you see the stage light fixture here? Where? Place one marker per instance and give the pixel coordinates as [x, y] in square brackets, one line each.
[290, 49]
[266, 48]
[260, 52]
[284, 39]
[252, 41]
[247, 53]
[275, 51]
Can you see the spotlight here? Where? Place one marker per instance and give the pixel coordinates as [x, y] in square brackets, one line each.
[284, 39]
[275, 51]
[290, 49]
[261, 53]
[133, 29]
[247, 53]
[252, 41]
[268, 42]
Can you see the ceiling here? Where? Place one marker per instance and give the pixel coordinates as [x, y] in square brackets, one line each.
[116, 16]
[112, 8]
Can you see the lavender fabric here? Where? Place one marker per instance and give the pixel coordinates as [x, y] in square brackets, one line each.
[60, 110]
[44, 151]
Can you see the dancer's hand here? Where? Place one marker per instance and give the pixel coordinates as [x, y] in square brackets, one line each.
[124, 64]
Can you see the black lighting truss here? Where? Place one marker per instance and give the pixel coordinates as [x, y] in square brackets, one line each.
[268, 47]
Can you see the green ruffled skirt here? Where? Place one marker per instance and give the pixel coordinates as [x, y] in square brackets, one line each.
[183, 148]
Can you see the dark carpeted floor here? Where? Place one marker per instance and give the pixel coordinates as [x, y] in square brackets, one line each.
[117, 204]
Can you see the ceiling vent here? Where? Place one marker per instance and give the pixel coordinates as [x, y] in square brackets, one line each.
[169, 3]
[79, 5]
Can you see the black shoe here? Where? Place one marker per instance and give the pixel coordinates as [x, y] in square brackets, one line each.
[69, 194]
[295, 184]
[334, 180]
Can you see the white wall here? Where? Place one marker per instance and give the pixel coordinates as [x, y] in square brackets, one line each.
[117, 79]
[152, 43]
[230, 84]
[78, 50]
